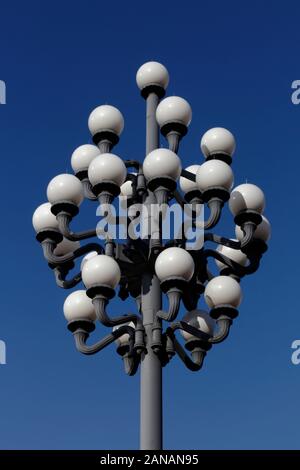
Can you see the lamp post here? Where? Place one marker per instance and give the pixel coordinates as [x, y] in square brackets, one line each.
[146, 266]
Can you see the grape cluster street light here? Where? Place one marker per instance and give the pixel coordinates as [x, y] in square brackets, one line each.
[147, 268]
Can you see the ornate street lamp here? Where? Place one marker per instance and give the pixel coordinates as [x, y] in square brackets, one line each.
[147, 266]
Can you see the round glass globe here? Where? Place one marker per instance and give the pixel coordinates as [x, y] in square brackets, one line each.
[90, 255]
[262, 232]
[162, 163]
[187, 185]
[174, 109]
[176, 263]
[198, 319]
[223, 290]
[126, 188]
[122, 340]
[246, 196]
[43, 218]
[214, 173]
[66, 246]
[152, 73]
[65, 188]
[217, 140]
[106, 118]
[107, 167]
[101, 270]
[82, 157]
[78, 306]
[235, 255]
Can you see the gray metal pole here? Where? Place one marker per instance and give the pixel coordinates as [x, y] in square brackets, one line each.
[152, 131]
[151, 370]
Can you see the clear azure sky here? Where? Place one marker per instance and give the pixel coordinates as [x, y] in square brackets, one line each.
[234, 62]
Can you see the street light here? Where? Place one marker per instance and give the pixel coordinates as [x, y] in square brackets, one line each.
[147, 267]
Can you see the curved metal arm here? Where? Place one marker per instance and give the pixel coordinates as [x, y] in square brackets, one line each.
[131, 363]
[198, 354]
[188, 175]
[224, 325]
[100, 303]
[215, 206]
[237, 268]
[49, 247]
[60, 278]
[174, 297]
[223, 322]
[182, 325]
[64, 220]
[248, 230]
[81, 337]
[87, 190]
[211, 237]
[194, 364]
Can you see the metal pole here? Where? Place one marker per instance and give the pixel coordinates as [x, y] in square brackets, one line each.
[151, 370]
[152, 131]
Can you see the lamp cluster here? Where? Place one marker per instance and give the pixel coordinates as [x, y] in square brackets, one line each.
[102, 176]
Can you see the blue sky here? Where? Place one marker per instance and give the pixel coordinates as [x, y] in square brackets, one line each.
[235, 64]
